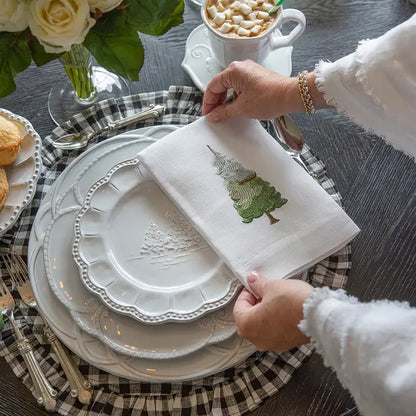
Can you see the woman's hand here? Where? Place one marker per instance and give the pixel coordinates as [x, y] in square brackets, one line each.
[258, 93]
[271, 321]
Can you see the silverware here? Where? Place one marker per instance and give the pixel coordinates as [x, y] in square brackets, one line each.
[285, 130]
[44, 392]
[79, 140]
[80, 387]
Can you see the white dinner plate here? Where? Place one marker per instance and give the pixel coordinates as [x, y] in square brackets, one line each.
[120, 332]
[207, 360]
[22, 174]
[200, 64]
[141, 256]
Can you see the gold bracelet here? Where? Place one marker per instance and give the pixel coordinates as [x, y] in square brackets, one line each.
[305, 94]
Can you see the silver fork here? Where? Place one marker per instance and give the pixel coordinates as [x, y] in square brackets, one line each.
[45, 394]
[80, 387]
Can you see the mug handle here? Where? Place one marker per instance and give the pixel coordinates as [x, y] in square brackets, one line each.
[278, 41]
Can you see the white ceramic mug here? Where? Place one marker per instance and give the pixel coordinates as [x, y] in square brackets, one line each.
[227, 49]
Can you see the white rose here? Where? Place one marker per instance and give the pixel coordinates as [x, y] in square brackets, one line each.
[13, 15]
[103, 5]
[59, 24]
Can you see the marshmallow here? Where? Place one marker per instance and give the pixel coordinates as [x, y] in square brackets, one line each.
[256, 30]
[267, 6]
[226, 27]
[246, 9]
[219, 19]
[237, 19]
[252, 16]
[252, 3]
[243, 32]
[263, 15]
[212, 11]
[247, 24]
[236, 5]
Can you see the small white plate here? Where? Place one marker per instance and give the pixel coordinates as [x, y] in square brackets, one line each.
[200, 64]
[140, 255]
[22, 174]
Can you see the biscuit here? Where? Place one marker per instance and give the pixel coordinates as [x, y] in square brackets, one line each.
[4, 187]
[10, 140]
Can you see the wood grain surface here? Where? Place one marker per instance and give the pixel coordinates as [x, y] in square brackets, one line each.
[378, 183]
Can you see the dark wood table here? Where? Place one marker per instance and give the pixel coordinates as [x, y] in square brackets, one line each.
[378, 184]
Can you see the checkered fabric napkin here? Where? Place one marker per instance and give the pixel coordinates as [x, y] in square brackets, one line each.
[235, 391]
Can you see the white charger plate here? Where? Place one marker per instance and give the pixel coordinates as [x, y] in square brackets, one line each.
[201, 65]
[120, 332]
[22, 174]
[141, 256]
[208, 360]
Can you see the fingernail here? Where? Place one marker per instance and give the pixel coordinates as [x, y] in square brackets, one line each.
[252, 277]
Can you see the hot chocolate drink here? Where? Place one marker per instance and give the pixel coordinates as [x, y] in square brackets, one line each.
[241, 18]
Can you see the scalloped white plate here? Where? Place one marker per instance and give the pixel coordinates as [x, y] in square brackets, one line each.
[22, 174]
[139, 254]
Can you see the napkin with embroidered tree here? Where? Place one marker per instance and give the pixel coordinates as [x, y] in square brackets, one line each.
[256, 207]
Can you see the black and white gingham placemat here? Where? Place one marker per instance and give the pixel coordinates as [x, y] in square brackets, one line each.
[231, 392]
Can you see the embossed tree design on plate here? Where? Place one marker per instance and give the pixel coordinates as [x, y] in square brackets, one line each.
[252, 195]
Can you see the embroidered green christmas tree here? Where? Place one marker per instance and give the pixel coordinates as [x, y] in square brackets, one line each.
[252, 195]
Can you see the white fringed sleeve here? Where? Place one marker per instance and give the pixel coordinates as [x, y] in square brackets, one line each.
[376, 85]
[371, 346]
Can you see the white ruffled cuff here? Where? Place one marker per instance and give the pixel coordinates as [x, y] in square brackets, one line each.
[323, 322]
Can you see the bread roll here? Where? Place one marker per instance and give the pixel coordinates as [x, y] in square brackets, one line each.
[4, 187]
[10, 139]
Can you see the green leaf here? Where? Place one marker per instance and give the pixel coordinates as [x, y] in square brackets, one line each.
[39, 56]
[14, 58]
[161, 27]
[155, 17]
[116, 45]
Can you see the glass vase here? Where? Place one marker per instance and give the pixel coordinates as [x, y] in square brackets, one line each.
[84, 85]
[78, 66]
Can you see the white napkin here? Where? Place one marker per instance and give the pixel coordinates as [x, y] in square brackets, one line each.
[311, 227]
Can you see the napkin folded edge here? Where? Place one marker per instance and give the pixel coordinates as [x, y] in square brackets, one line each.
[308, 250]
[345, 222]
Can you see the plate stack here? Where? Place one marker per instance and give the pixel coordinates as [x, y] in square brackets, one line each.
[122, 277]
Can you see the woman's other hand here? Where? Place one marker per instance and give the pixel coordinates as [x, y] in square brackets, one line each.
[271, 321]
